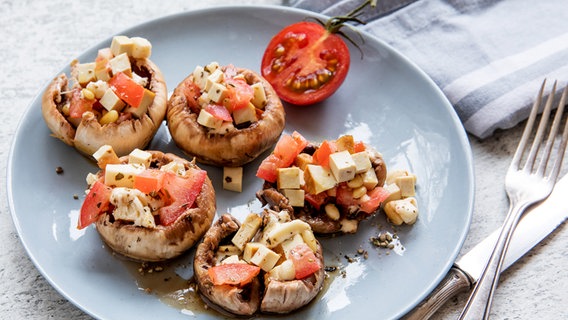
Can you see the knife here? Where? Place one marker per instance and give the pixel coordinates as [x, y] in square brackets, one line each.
[536, 224]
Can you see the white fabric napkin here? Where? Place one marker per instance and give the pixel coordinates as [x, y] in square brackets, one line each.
[488, 56]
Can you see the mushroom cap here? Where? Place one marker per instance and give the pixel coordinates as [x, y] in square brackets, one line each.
[89, 135]
[163, 242]
[234, 148]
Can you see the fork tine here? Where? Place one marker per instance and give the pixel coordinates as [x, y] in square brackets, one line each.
[552, 134]
[542, 126]
[528, 129]
[562, 147]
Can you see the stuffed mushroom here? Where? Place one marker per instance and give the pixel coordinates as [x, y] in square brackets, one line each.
[331, 186]
[149, 205]
[267, 264]
[120, 99]
[225, 116]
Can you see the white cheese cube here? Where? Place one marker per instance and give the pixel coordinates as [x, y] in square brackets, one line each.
[295, 197]
[121, 63]
[208, 120]
[394, 174]
[141, 157]
[259, 95]
[174, 167]
[285, 231]
[121, 44]
[98, 87]
[342, 166]
[102, 73]
[246, 114]
[394, 192]
[212, 66]
[131, 205]
[141, 48]
[349, 226]
[200, 77]
[284, 271]
[248, 229]
[318, 179]
[362, 161]
[289, 178]
[233, 179]
[406, 185]
[225, 128]
[370, 179]
[232, 259]
[265, 258]
[250, 249]
[216, 76]
[111, 101]
[85, 73]
[228, 250]
[121, 175]
[143, 81]
[217, 92]
[290, 244]
[105, 155]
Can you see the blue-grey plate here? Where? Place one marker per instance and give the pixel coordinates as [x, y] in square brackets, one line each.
[385, 101]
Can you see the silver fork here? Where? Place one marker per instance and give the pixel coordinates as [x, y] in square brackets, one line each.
[525, 185]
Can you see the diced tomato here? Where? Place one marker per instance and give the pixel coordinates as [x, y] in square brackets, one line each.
[182, 192]
[149, 180]
[321, 155]
[268, 169]
[304, 260]
[359, 147]
[316, 200]
[377, 196]
[237, 274]
[96, 203]
[239, 94]
[285, 151]
[127, 89]
[192, 94]
[219, 112]
[79, 105]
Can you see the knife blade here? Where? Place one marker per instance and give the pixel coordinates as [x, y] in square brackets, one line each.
[539, 221]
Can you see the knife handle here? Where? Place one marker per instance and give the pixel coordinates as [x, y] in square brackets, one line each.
[455, 282]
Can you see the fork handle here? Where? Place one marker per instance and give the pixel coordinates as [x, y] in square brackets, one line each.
[479, 302]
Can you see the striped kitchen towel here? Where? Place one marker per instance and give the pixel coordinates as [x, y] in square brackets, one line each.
[489, 57]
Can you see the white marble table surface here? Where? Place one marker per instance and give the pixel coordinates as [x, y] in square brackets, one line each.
[37, 38]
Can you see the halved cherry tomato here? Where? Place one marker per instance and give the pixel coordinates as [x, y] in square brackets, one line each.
[79, 105]
[181, 192]
[127, 89]
[305, 63]
[304, 260]
[236, 274]
[219, 112]
[96, 202]
[376, 197]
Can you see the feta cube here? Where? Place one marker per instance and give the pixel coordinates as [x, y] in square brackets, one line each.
[141, 48]
[141, 157]
[295, 197]
[290, 244]
[370, 179]
[121, 44]
[247, 230]
[342, 166]
[362, 161]
[265, 258]
[85, 73]
[318, 179]
[111, 101]
[121, 63]
[288, 178]
[217, 92]
[259, 95]
[246, 114]
[216, 76]
[302, 160]
[200, 77]
[105, 155]
[284, 271]
[121, 175]
[250, 249]
[406, 185]
[206, 119]
[233, 179]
